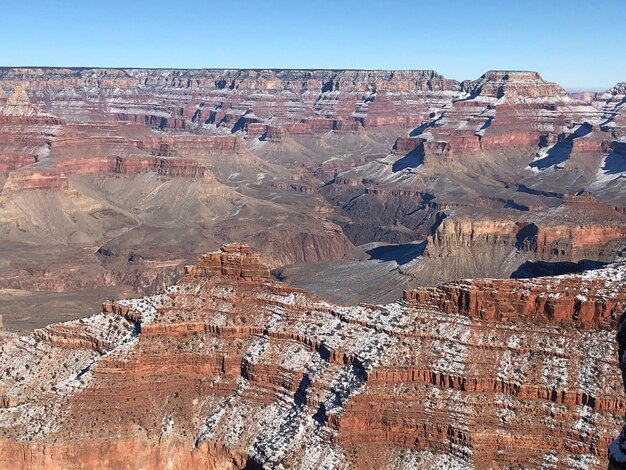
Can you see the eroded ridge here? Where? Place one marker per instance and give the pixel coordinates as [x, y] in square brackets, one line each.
[593, 299]
[229, 368]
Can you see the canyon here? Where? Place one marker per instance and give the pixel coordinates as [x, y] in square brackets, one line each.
[111, 180]
[314, 269]
[228, 368]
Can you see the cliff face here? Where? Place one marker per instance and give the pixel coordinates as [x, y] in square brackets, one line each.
[501, 109]
[25, 131]
[611, 102]
[590, 300]
[557, 242]
[581, 228]
[340, 100]
[510, 110]
[229, 369]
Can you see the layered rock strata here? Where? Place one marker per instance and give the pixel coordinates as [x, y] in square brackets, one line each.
[304, 165]
[593, 299]
[580, 228]
[230, 369]
[294, 100]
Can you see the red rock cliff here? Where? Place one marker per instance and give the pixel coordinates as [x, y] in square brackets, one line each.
[228, 368]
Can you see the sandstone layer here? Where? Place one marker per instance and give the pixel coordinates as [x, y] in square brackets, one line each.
[230, 369]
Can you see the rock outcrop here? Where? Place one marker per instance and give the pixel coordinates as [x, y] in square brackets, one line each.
[514, 85]
[580, 228]
[590, 300]
[231, 369]
[234, 260]
[18, 105]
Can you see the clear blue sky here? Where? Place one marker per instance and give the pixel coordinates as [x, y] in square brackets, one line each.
[577, 43]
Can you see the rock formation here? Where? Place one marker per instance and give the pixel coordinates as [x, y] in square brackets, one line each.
[18, 105]
[590, 300]
[145, 170]
[234, 260]
[230, 369]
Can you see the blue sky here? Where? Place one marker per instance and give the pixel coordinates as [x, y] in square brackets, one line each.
[577, 43]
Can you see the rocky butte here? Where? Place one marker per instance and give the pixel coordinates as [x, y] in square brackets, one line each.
[230, 369]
